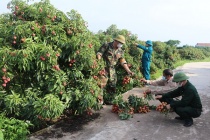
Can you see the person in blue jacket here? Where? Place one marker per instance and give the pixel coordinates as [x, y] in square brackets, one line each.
[146, 58]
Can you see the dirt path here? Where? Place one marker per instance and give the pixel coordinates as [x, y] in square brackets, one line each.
[150, 126]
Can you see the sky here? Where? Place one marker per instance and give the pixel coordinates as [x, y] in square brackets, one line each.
[158, 20]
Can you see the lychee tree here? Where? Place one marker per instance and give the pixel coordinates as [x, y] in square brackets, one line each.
[48, 62]
[46, 52]
[49, 66]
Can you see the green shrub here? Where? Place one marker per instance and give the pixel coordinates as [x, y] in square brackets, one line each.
[13, 129]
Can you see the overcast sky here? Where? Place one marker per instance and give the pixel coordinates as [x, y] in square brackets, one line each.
[158, 20]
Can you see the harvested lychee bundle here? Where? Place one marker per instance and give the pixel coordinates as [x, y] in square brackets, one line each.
[126, 80]
[115, 108]
[148, 96]
[162, 108]
[144, 109]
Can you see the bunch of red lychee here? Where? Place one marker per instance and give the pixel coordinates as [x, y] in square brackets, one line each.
[4, 78]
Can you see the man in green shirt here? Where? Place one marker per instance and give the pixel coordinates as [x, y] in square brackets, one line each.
[189, 106]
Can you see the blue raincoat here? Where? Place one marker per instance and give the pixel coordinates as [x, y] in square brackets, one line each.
[146, 60]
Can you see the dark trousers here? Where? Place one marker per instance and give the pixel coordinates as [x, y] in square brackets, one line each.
[186, 112]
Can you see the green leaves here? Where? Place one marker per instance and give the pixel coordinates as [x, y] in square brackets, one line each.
[191, 53]
[136, 102]
[126, 109]
[50, 107]
[125, 116]
[50, 61]
[1, 135]
[13, 129]
[13, 103]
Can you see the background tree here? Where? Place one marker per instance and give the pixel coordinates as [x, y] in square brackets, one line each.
[173, 42]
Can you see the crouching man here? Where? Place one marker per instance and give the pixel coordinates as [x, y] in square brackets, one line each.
[189, 106]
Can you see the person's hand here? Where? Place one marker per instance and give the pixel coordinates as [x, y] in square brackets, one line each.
[143, 80]
[136, 44]
[98, 57]
[130, 73]
[168, 106]
[148, 91]
[158, 97]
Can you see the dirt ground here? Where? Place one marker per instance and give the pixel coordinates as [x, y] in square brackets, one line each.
[105, 125]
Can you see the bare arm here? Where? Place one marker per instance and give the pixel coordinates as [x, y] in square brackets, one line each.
[125, 66]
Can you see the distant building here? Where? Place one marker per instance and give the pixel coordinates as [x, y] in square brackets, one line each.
[202, 45]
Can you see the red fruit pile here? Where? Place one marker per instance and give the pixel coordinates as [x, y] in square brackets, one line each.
[131, 111]
[143, 109]
[126, 80]
[115, 108]
[162, 107]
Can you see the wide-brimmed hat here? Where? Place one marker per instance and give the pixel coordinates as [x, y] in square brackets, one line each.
[120, 38]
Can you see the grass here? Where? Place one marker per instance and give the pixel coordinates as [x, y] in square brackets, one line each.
[159, 73]
[182, 62]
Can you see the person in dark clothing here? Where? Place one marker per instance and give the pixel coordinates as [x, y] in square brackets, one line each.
[189, 106]
[146, 58]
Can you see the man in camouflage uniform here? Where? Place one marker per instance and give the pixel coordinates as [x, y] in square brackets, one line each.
[112, 53]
